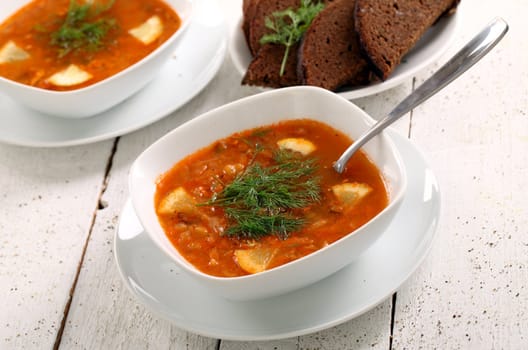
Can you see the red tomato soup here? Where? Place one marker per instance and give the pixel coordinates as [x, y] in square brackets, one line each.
[267, 196]
[37, 41]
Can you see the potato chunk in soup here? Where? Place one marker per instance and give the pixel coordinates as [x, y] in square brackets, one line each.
[10, 52]
[148, 31]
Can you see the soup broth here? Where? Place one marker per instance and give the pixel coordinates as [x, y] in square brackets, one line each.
[196, 207]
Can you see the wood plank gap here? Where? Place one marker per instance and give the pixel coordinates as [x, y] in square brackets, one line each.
[66, 311]
[412, 110]
[393, 317]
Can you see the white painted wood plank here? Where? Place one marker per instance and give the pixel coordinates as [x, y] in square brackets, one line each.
[47, 200]
[368, 331]
[471, 292]
[104, 314]
[280, 344]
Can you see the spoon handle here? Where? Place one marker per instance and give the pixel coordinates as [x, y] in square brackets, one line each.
[470, 54]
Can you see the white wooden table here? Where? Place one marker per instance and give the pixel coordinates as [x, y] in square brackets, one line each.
[60, 288]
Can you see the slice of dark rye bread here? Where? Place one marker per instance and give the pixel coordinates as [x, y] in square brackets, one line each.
[248, 12]
[265, 67]
[330, 55]
[257, 19]
[388, 29]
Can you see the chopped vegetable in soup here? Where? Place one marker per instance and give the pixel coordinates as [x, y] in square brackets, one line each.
[69, 44]
[267, 196]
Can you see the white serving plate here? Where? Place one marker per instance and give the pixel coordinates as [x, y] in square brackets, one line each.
[166, 290]
[427, 51]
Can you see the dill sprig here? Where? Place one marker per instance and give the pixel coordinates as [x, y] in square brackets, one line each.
[78, 31]
[260, 200]
[288, 26]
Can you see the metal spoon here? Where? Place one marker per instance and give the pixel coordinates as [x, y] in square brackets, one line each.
[470, 54]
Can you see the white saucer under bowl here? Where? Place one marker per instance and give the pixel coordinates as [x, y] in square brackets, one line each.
[157, 283]
[195, 62]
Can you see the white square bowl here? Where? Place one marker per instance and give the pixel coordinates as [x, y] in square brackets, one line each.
[98, 97]
[259, 110]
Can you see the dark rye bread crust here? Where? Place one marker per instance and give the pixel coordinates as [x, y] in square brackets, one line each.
[248, 12]
[330, 55]
[388, 29]
[265, 67]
